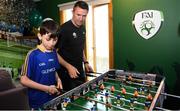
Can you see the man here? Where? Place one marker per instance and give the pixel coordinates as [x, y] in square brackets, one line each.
[71, 47]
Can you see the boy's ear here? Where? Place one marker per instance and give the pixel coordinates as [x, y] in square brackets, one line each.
[39, 36]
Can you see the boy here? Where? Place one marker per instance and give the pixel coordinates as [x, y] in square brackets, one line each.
[39, 70]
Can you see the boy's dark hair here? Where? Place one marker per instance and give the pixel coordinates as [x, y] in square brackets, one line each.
[82, 5]
[49, 26]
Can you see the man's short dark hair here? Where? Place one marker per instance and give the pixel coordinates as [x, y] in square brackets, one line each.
[82, 5]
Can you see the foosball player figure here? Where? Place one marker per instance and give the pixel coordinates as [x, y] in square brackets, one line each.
[94, 108]
[106, 95]
[108, 105]
[149, 83]
[72, 97]
[101, 98]
[118, 99]
[139, 89]
[86, 89]
[147, 105]
[136, 94]
[149, 97]
[101, 87]
[112, 89]
[65, 103]
[118, 96]
[142, 90]
[130, 78]
[132, 103]
[123, 91]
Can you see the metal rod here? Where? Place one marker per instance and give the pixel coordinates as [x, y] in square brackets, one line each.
[141, 80]
[159, 108]
[95, 73]
[90, 75]
[171, 95]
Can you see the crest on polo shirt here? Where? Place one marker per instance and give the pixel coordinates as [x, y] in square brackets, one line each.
[74, 35]
[148, 22]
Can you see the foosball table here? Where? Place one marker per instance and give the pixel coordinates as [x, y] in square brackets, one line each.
[113, 90]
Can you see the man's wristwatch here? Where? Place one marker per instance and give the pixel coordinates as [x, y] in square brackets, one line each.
[86, 62]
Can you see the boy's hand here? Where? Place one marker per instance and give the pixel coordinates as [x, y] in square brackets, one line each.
[52, 89]
[59, 84]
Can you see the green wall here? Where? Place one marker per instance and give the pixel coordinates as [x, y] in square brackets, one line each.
[49, 8]
[159, 54]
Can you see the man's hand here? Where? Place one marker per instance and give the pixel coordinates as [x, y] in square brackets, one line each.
[88, 68]
[73, 72]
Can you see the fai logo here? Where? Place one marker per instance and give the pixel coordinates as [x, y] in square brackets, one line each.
[148, 22]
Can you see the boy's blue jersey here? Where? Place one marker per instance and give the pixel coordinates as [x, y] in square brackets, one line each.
[40, 66]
